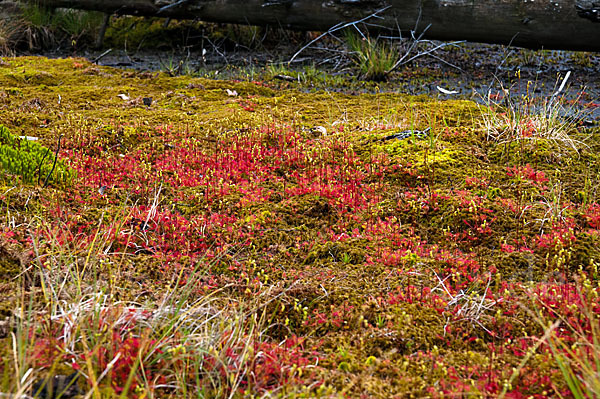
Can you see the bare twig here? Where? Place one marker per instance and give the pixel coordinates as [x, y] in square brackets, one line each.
[338, 27]
[414, 42]
[171, 6]
[471, 306]
[54, 164]
[95, 60]
[41, 163]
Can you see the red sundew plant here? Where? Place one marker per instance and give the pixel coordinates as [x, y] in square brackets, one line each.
[573, 337]
[422, 295]
[567, 300]
[477, 380]
[527, 172]
[478, 227]
[123, 354]
[247, 105]
[335, 317]
[46, 352]
[273, 365]
[134, 350]
[562, 235]
[421, 201]
[592, 216]
[476, 182]
[165, 234]
[508, 248]
[244, 163]
[231, 258]
[251, 166]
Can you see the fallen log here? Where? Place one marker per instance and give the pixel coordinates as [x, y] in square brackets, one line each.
[550, 24]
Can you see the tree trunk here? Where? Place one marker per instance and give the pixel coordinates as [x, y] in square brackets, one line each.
[554, 24]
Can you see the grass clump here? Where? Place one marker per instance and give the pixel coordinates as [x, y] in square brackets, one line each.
[179, 342]
[577, 352]
[509, 118]
[373, 58]
[9, 33]
[43, 27]
[30, 160]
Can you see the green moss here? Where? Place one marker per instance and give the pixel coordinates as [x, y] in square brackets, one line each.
[347, 252]
[585, 252]
[9, 268]
[34, 78]
[13, 91]
[30, 160]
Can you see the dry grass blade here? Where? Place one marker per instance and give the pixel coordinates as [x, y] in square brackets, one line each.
[469, 305]
[10, 31]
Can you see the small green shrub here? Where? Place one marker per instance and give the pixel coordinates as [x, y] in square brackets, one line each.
[30, 160]
[151, 33]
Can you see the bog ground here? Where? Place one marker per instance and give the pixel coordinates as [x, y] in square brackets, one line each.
[185, 237]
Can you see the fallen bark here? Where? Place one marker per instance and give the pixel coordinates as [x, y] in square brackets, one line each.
[556, 24]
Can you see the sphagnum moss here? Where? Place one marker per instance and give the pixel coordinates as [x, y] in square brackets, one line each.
[22, 156]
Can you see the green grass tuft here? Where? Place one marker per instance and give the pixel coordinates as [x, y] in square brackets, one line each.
[374, 59]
